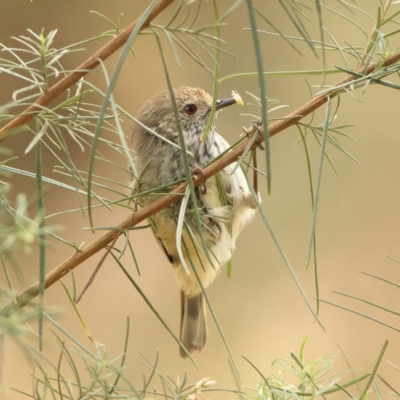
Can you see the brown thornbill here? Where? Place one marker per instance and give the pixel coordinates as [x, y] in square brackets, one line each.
[222, 216]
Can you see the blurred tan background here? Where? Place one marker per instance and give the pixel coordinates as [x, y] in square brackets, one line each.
[260, 309]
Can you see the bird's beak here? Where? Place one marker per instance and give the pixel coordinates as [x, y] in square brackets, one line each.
[224, 103]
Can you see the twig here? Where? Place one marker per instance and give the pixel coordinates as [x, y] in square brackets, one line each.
[134, 219]
[101, 262]
[69, 80]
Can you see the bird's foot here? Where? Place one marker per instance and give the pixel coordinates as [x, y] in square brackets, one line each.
[196, 170]
[255, 128]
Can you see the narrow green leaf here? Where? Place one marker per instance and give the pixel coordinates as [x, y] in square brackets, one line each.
[84, 326]
[283, 255]
[396, 285]
[263, 92]
[6, 271]
[42, 239]
[314, 243]
[361, 314]
[71, 363]
[302, 348]
[348, 19]
[321, 32]
[376, 366]
[173, 47]
[278, 31]
[216, 73]
[176, 13]
[73, 286]
[394, 259]
[38, 137]
[319, 176]
[153, 370]
[300, 364]
[389, 386]
[123, 355]
[182, 144]
[369, 303]
[298, 24]
[66, 333]
[126, 233]
[109, 92]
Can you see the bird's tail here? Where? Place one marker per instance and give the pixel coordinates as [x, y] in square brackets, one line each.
[193, 333]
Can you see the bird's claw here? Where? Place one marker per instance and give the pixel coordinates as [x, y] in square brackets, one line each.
[196, 170]
[255, 128]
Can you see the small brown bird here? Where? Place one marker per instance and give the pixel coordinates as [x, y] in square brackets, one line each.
[222, 217]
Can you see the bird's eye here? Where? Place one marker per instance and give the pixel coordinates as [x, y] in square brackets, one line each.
[190, 109]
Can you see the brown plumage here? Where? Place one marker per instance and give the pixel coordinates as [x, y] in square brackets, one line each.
[158, 164]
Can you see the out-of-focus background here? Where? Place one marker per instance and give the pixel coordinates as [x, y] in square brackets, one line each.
[260, 308]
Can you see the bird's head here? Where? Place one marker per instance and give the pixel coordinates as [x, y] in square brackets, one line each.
[194, 108]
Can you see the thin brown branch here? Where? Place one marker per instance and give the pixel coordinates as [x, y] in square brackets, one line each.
[386, 8]
[134, 219]
[62, 85]
[101, 262]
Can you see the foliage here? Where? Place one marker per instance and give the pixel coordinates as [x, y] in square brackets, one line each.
[88, 116]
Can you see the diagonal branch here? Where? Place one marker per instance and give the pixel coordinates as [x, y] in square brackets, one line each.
[134, 219]
[73, 77]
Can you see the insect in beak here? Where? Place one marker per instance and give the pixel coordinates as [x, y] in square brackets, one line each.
[224, 103]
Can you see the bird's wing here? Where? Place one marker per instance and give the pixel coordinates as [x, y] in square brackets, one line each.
[153, 228]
